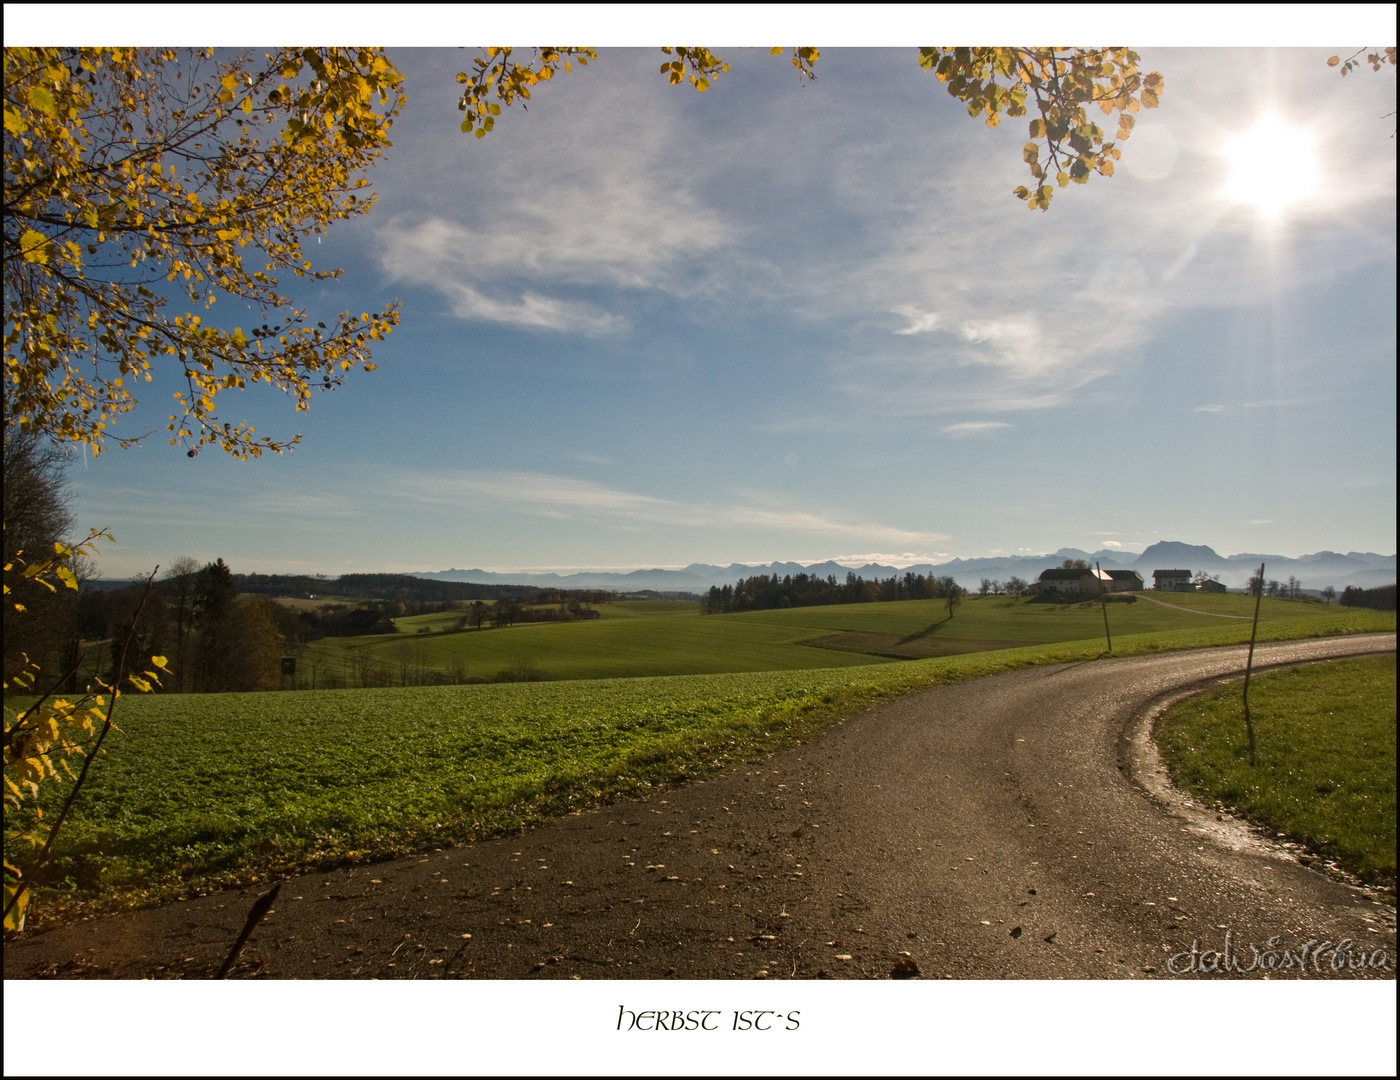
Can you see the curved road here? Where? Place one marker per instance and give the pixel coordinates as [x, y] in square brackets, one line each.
[987, 829]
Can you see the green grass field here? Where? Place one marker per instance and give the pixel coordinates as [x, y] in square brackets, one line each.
[643, 638]
[1325, 772]
[202, 790]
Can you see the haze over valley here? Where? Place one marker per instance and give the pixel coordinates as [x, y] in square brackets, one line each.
[1314, 572]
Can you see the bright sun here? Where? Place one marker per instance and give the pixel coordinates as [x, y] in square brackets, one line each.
[1272, 167]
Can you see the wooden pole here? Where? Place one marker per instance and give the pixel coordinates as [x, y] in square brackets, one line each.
[1103, 603]
[1249, 663]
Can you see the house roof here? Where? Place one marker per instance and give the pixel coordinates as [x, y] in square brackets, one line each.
[1171, 573]
[1120, 575]
[1061, 574]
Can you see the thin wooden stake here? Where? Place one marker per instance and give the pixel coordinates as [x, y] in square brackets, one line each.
[1249, 664]
[1103, 603]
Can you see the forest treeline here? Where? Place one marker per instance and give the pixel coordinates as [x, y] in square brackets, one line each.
[402, 588]
[1382, 598]
[218, 635]
[764, 592]
[222, 631]
[219, 631]
[213, 639]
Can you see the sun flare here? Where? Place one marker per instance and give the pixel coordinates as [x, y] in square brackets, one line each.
[1272, 167]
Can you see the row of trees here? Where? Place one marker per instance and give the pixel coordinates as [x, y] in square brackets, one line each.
[1382, 598]
[192, 615]
[217, 640]
[215, 636]
[1292, 589]
[397, 588]
[37, 515]
[763, 592]
[521, 603]
[213, 639]
[508, 612]
[1012, 586]
[376, 616]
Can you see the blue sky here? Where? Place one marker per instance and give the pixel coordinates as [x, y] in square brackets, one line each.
[648, 327]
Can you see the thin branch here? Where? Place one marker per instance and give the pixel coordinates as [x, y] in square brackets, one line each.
[255, 916]
[27, 879]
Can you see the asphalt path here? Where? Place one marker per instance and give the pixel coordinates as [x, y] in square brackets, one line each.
[1001, 828]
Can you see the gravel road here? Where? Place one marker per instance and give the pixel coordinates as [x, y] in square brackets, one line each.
[996, 829]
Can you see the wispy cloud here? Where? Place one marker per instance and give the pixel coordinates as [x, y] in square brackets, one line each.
[532, 310]
[452, 260]
[236, 505]
[565, 498]
[919, 321]
[973, 427]
[589, 459]
[620, 215]
[302, 505]
[1068, 298]
[889, 558]
[1217, 407]
[994, 309]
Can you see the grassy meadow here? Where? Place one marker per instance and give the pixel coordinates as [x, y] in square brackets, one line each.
[1325, 772]
[204, 790]
[660, 637]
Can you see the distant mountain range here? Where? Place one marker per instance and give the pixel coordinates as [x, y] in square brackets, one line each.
[1362, 568]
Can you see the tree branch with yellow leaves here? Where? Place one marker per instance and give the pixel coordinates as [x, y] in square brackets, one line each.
[136, 177]
[41, 737]
[1377, 59]
[1062, 83]
[1065, 145]
[496, 75]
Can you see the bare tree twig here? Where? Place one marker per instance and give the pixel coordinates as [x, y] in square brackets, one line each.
[260, 909]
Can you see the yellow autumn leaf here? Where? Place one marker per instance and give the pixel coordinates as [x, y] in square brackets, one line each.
[39, 98]
[14, 921]
[34, 246]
